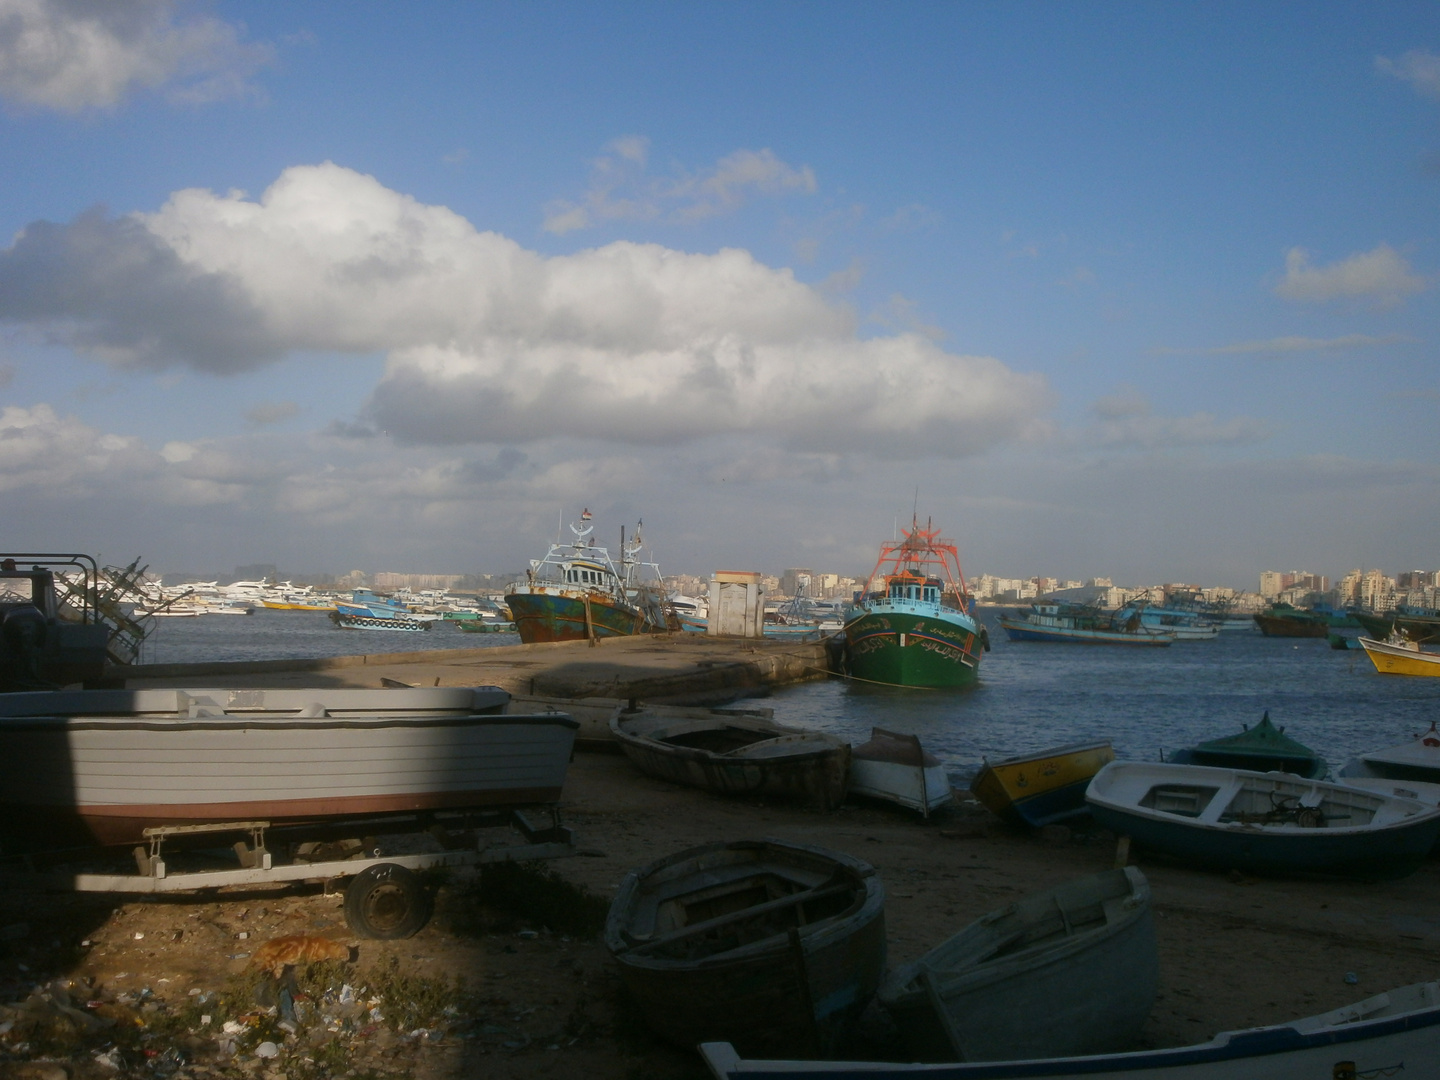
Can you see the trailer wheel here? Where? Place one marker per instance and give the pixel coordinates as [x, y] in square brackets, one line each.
[386, 902]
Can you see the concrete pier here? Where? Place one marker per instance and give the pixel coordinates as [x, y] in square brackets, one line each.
[675, 668]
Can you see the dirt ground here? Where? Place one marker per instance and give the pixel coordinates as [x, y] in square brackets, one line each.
[155, 981]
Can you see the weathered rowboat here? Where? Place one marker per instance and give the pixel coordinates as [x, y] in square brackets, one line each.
[1042, 788]
[1263, 822]
[99, 766]
[1392, 1033]
[896, 768]
[1073, 970]
[735, 753]
[1263, 748]
[774, 947]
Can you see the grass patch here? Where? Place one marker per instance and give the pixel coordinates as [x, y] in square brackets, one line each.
[509, 895]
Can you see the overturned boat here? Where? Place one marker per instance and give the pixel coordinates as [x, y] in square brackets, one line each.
[895, 768]
[774, 947]
[1073, 970]
[92, 767]
[735, 753]
[1041, 788]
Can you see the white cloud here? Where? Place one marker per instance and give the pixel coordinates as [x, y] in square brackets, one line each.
[490, 342]
[78, 54]
[621, 189]
[1418, 67]
[1297, 344]
[1381, 275]
[1126, 419]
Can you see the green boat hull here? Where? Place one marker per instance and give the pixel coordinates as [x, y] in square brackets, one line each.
[904, 649]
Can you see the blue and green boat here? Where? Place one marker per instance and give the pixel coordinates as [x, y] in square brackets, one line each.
[914, 625]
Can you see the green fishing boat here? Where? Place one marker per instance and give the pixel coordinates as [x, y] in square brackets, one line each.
[1263, 748]
[914, 625]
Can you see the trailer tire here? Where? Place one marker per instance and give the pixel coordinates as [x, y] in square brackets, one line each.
[386, 902]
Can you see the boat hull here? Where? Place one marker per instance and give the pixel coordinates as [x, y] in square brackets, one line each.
[1374, 1037]
[1088, 965]
[98, 767]
[1263, 822]
[1396, 660]
[907, 649]
[403, 623]
[731, 753]
[1042, 789]
[1279, 626]
[895, 768]
[1024, 630]
[791, 980]
[552, 616]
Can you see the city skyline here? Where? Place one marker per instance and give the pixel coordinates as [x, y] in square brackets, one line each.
[1144, 291]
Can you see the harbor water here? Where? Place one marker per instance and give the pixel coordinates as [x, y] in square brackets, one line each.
[1031, 695]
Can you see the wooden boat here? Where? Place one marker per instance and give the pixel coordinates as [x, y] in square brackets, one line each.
[485, 626]
[1390, 1034]
[915, 625]
[352, 621]
[735, 753]
[1073, 970]
[576, 592]
[1187, 624]
[1400, 657]
[1416, 759]
[1042, 788]
[99, 766]
[1282, 620]
[1263, 748]
[896, 768]
[1073, 623]
[774, 947]
[1263, 822]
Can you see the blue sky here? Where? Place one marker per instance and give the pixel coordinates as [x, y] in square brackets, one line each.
[1137, 290]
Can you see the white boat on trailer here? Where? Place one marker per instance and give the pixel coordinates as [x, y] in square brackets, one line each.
[98, 767]
[1391, 1034]
[184, 767]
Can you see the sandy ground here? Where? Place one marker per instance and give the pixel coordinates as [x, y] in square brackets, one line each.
[1235, 951]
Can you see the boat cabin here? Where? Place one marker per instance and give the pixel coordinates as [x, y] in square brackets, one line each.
[915, 588]
[42, 647]
[585, 573]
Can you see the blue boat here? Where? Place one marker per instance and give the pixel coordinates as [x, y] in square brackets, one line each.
[1082, 624]
[1265, 823]
[1395, 1033]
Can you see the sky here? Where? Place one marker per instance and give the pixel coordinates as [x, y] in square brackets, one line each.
[1142, 291]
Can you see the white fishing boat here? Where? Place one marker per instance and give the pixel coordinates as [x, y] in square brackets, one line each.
[1389, 1035]
[896, 768]
[1263, 822]
[101, 766]
[1416, 759]
[1073, 970]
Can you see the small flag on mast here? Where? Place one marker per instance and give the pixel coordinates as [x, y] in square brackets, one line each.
[584, 515]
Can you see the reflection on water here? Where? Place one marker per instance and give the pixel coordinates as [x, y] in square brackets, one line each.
[1033, 695]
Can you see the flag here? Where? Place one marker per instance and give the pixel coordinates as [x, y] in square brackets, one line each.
[584, 515]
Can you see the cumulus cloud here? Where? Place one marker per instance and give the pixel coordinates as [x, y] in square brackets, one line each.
[490, 342]
[1126, 419]
[622, 189]
[116, 289]
[1296, 344]
[1418, 67]
[1381, 275]
[72, 55]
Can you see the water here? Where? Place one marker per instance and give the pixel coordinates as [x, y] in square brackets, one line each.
[1144, 700]
[1031, 695]
[269, 634]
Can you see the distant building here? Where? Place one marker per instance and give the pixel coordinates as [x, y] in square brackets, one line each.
[415, 582]
[1273, 583]
[796, 582]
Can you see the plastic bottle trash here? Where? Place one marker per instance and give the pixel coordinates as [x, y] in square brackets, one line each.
[1351, 978]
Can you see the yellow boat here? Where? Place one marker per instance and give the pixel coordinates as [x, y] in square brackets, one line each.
[1040, 789]
[1400, 658]
[285, 605]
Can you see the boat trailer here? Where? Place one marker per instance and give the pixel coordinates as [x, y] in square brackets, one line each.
[384, 899]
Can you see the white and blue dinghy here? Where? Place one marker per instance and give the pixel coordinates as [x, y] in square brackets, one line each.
[1393, 1034]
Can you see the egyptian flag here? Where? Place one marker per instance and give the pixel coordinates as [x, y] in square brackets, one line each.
[584, 515]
